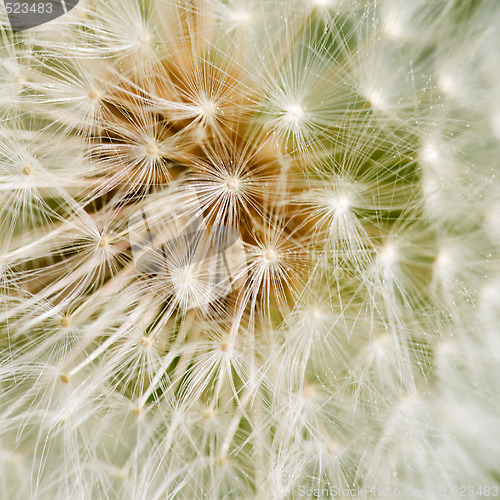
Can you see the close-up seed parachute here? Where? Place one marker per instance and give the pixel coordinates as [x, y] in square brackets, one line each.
[249, 249]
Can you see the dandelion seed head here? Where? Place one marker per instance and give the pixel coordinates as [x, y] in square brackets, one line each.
[186, 277]
[27, 170]
[315, 312]
[408, 403]
[65, 322]
[295, 114]
[240, 17]
[321, 3]
[208, 414]
[430, 153]
[444, 260]
[432, 192]
[381, 343]
[145, 342]
[103, 242]
[340, 202]
[450, 83]
[93, 94]
[233, 184]
[489, 298]
[19, 78]
[270, 255]
[152, 149]
[393, 27]
[144, 38]
[444, 353]
[208, 110]
[226, 347]
[389, 254]
[192, 285]
[138, 411]
[397, 18]
[376, 97]
[332, 448]
[241, 222]
[122, 473]
[447, 261]
[309, 392]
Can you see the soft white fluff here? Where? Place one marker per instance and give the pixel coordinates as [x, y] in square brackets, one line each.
[249, 249]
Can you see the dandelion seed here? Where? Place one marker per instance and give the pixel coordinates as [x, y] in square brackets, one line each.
[225, 347]
[103, 242]
[152, 149]
[93, 94]
[321, 3]
[138, 411]
[144, 38]
[389, 254]
[270, 255]
[209, 414]
[249, 249]
[65, 322]
[233, 184]
[295, 113]
[241, 17]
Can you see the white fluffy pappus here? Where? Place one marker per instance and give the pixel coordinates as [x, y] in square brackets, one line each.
[249, 249]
